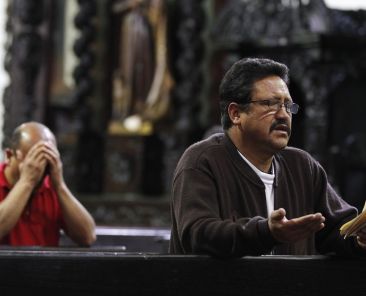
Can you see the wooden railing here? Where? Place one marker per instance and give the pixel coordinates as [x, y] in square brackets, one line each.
[128, 239]
[93, 271]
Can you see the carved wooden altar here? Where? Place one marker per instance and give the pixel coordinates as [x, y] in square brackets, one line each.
[323, 48]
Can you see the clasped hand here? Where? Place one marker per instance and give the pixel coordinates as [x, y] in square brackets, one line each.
[296, 229]
[34, 163]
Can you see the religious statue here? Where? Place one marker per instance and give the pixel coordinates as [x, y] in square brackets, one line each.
[141, 82]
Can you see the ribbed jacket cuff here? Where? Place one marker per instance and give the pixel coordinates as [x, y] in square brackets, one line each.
[265, 235]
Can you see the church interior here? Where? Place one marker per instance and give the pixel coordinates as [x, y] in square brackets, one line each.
[127, 85]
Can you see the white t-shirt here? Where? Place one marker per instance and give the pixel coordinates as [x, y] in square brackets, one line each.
[267, 180]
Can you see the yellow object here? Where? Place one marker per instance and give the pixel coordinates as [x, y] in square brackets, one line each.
[353, 226]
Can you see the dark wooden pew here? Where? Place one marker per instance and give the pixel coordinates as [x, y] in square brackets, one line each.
[75, 271]
[128, 239]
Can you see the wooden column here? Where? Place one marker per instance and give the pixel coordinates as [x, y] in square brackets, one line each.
[27, 62]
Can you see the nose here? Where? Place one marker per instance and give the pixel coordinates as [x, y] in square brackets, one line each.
[282, 111]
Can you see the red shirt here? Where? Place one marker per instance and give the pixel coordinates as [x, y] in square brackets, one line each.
[41, 220]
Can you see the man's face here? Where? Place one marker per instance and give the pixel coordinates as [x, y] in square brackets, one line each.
[29, 139]
[264, 127]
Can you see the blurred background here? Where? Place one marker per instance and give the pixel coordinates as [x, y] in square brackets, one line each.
[127, 85]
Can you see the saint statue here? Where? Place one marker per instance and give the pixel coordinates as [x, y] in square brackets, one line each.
[141, 82]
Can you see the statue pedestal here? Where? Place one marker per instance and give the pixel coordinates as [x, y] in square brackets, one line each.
[133, 163]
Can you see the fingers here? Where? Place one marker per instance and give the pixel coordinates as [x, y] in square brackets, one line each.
[361, 242]
[303, 231]
[294, 229]
[44, 149]
[35, 151]
[362, 234]
[361, 237]
[52, 151]
[33, 165]
[39, 155]
[35, 157]
[52, 155]
[310, 222]
[278, 215]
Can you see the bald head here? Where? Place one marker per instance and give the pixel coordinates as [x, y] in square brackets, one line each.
[28, 134]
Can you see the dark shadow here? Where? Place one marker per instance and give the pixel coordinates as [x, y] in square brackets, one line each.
[347, 140]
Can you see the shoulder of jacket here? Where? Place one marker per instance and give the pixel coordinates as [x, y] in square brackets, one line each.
[204, 149]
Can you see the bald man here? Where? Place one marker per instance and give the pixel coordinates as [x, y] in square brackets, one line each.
[35, 202]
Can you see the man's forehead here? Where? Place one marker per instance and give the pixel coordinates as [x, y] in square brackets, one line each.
[31, 137]
[271, 84]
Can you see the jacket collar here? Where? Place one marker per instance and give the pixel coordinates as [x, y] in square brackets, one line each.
[248, 171]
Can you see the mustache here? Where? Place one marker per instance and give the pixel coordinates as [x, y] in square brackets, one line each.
[283, 124]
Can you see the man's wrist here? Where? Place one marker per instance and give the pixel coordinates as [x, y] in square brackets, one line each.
[30, 183]
[59, 186]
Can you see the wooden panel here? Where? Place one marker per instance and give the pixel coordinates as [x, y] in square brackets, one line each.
[133, 164]
[109, 272]
[124, 161]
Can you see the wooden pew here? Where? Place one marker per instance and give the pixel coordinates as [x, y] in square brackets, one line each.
[128, 239]
[74, 271]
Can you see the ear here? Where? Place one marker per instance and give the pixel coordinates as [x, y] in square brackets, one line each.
[19, 154]
[8, 154]
[234, 113]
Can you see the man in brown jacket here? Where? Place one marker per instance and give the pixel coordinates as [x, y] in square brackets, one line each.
[244, 192]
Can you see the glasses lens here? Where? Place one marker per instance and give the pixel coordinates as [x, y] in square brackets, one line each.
[293, 108]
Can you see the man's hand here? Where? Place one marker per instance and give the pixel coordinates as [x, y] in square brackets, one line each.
[289, 231]
[55, 165]
[33, 165]
[361, 238]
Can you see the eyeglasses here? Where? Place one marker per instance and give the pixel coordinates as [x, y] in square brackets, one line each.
[275, 105]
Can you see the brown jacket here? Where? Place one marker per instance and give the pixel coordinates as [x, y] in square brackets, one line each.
[219, 207]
